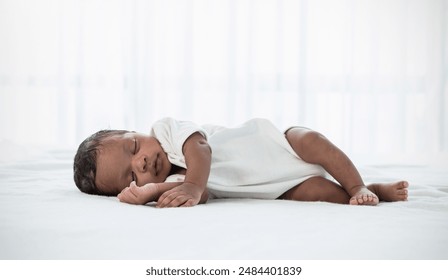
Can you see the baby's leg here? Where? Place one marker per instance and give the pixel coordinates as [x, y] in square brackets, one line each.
[317, 189]
[396, 191]
[321, 189]
[314, 148]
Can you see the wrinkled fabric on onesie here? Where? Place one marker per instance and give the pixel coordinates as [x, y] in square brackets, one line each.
[253, 160]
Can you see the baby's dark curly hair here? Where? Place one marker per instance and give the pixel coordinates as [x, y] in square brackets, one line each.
[84, 165]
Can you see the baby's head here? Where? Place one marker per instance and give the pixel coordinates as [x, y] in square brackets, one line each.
[109, 160]
[85, 162]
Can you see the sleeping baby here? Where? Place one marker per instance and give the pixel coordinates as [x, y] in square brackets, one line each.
[182, 164]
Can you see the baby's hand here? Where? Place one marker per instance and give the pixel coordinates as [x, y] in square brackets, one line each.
[184, 195]
[139, 195]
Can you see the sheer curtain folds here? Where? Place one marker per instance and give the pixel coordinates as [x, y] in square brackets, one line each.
[372, 75]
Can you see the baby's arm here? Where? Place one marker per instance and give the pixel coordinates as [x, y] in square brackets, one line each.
[193, 190]
[146, 193]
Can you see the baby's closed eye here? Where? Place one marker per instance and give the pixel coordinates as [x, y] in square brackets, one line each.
[135, 146]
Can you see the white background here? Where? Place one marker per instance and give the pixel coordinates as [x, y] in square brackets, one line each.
[371, 75]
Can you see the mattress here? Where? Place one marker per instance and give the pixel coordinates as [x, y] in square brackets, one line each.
[44, 216]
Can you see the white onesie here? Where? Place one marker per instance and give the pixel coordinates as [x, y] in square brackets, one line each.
[253, 160]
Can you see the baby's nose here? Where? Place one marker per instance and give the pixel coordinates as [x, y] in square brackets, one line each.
[143, 164]
[140, 164]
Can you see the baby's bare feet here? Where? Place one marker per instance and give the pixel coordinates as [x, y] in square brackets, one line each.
[364, 197]
[396, 191]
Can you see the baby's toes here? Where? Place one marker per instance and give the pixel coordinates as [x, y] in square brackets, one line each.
[353, 201]
[402, 192]
[367, 197]
[370, 199]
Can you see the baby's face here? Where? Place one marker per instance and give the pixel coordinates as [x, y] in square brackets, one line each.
[130, 157]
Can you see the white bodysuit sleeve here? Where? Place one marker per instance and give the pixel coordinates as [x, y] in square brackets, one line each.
[172, 135]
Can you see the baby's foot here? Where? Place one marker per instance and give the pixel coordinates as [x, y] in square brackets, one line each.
[364, 197]
[391, 191]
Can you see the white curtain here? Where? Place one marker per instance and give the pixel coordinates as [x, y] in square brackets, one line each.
[372, 75]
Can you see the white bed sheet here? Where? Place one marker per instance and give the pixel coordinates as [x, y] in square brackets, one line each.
[44, 216]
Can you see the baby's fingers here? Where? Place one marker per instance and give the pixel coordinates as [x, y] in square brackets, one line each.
[122, 193]
[190, 202]
[163, 198]
[173, 199]
[128, 195]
